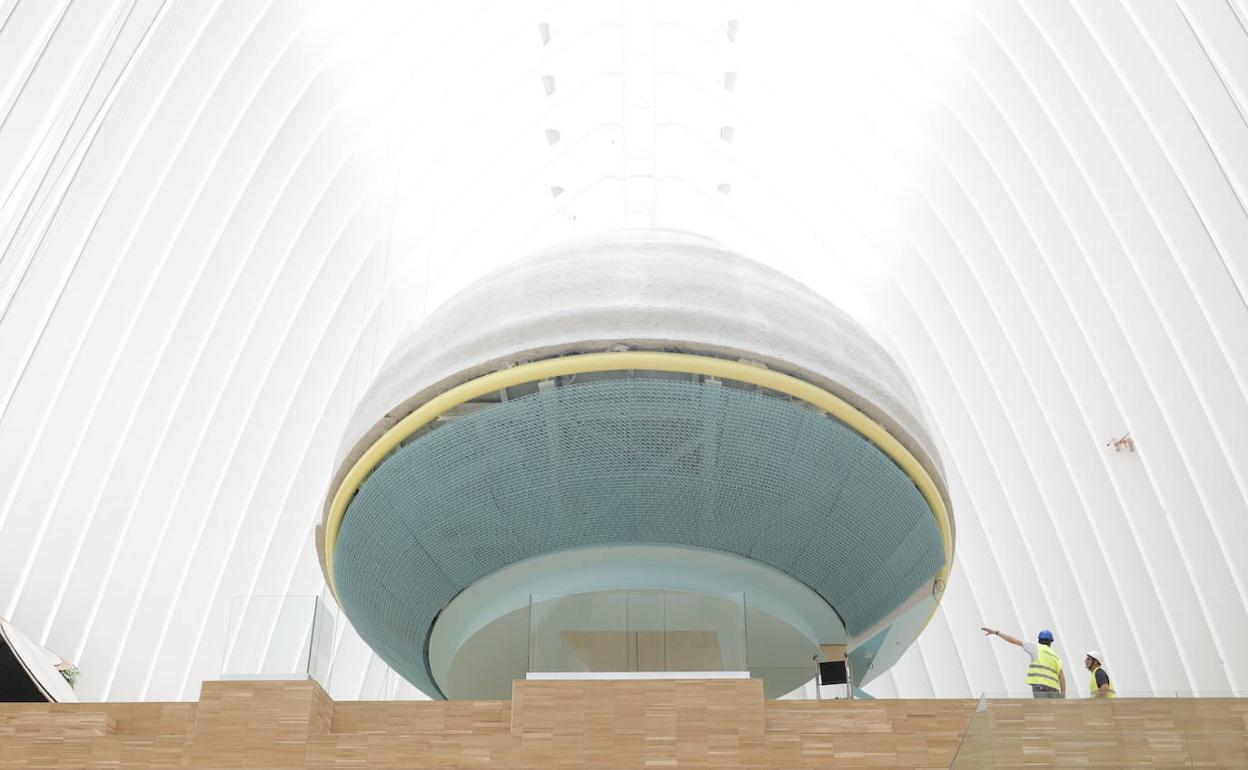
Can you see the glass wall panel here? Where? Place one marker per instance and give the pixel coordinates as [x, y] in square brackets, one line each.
[278, 637]
[637, 630]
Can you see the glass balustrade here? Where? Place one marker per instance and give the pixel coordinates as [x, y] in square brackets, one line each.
[634, 631]
[1136, 729]
[278, 637]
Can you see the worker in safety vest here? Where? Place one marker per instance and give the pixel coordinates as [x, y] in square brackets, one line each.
[1100, 686]
[1044, 675]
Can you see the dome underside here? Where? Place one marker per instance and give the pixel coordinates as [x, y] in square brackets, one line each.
[672, 461]
[641, 290]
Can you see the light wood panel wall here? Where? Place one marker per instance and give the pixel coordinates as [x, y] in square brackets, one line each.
[619, 725]
[639, 723]
[898, 733]
[95, 735]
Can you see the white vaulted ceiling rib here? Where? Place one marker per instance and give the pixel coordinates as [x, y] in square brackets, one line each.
[215, 217]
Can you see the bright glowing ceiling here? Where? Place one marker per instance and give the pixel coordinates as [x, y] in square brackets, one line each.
[215, 217]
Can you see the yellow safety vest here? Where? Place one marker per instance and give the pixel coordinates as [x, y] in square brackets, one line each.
[1046, 668]
[1096, 689]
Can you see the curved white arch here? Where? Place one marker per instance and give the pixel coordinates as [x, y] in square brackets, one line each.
[215, 219]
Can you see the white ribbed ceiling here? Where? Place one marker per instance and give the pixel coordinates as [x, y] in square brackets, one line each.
[216, 216]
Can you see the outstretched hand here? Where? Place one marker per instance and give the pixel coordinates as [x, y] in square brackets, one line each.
[987, 631]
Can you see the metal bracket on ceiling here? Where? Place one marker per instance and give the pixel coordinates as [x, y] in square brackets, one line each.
[1123, 442]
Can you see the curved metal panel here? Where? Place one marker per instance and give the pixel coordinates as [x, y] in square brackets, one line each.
[629, 461]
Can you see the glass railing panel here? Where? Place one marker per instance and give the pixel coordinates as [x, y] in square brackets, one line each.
[1215, 728]
[278, 637]
[704, 632]
[636, 631]
[321, 644]
[1078, 731]
[975, 749]
[579, 632]
[1136, 729]
[646, 637]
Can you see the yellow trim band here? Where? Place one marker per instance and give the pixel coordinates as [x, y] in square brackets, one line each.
[661, 362]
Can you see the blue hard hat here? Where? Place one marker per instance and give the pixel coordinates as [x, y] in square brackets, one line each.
[1046, 635]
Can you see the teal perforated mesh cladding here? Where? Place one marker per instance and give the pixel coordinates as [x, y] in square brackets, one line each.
[628, 461]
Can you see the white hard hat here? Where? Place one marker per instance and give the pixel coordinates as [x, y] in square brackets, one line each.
[1096, 655]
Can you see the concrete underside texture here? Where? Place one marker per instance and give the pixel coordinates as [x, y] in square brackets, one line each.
[621, 725]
